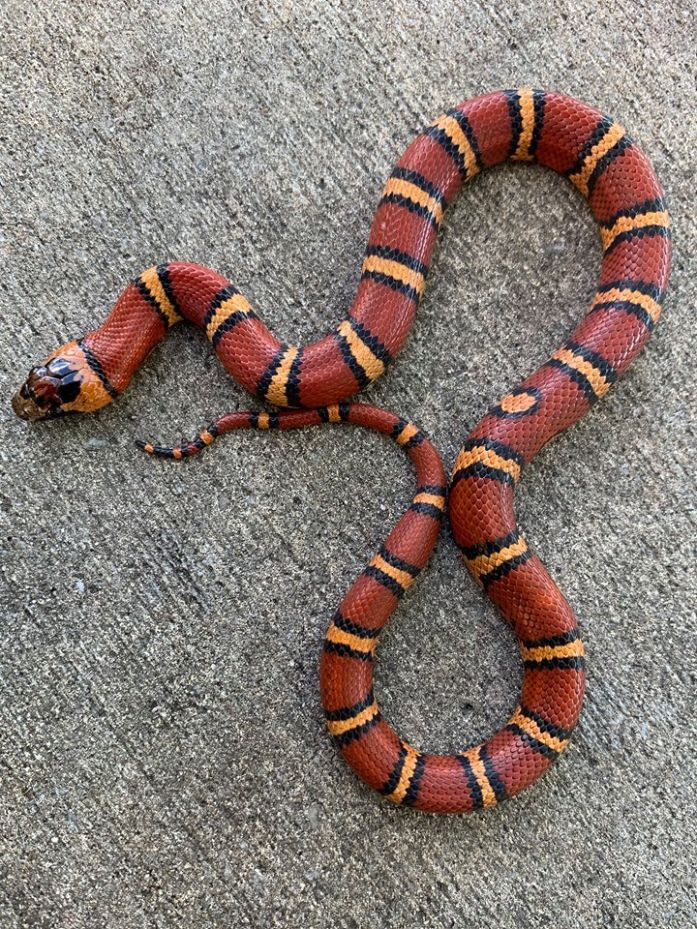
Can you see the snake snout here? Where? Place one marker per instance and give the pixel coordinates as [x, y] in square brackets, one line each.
[46, 391]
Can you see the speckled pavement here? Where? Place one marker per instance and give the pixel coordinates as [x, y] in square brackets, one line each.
[164, 758]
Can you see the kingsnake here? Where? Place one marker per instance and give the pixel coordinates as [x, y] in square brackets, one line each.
[625, 198]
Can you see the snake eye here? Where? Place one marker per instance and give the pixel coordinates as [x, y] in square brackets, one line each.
[68, 389]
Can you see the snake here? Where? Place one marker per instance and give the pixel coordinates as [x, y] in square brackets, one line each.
[313, 384]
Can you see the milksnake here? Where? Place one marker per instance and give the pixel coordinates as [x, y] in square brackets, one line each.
[625, 198]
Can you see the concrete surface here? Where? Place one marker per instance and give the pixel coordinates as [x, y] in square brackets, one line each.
[164, 759]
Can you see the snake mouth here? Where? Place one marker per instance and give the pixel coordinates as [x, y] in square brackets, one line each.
[26, 407]
[30, 407]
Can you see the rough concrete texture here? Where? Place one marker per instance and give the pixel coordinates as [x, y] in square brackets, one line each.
[164, 758]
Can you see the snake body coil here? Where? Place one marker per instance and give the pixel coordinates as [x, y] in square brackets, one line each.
[626, 200]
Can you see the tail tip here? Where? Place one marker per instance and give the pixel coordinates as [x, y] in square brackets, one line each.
[146, 447]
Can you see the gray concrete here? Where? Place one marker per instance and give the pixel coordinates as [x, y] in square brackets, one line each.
[164, 761]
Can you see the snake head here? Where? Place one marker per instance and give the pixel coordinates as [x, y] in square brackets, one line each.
[65, 382]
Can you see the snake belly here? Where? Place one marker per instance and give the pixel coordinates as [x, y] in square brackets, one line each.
[625, 198]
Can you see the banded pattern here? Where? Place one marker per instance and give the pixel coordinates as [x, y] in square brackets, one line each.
[526, 107]
[589, 370]
[403, 783]
[560, 651]
[490, 561]
[407, 434]
[351, 723]
[345, 637]
[644, 219]
[227, 308]
[392, 572]
[523, 125]
[365, 355]
[483, 782]
[95, 366]
[454, 133]
[417, 194]
[430, 500]
[397, 269]
[155, 287]
[607, 142]
[538, 733]
[641, 298]
[485, 457]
